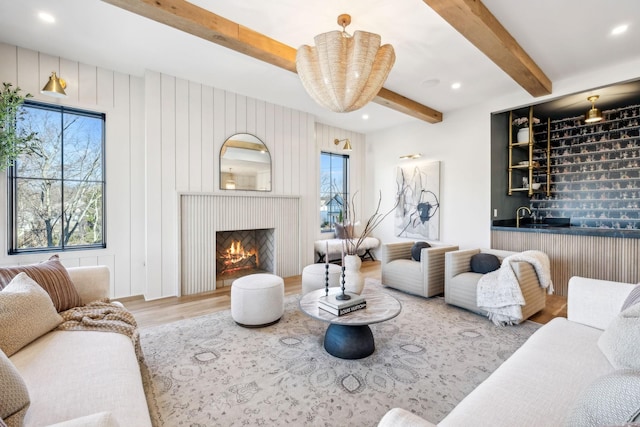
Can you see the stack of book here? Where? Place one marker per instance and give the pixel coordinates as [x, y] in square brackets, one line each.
[341, 307]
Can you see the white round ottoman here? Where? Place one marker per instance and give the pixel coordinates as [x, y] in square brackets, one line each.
[313, 277]
[257, 300]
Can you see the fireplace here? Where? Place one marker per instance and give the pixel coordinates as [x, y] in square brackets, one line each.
[275, 218]
[243, 252]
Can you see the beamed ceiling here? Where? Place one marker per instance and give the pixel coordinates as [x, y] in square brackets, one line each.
[491, 48]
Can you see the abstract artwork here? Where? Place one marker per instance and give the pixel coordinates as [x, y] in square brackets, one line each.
[418, 211]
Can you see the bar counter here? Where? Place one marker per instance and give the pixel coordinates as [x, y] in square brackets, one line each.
[528, 227]
[599, 253]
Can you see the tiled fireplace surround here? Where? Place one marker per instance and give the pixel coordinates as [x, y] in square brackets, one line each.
[202, 216]
[242, 252]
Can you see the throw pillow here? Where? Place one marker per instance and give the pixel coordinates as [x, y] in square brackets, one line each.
[619, 342]
[53, 278]
[612, 399]
[26, 313]
[484, 263]
[416, 250]
[14, 397]
[632, 299]
[343, 231]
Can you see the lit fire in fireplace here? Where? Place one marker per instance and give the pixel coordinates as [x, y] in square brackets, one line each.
[236, 257]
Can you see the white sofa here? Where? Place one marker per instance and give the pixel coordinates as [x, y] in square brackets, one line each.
[541, 383]
[82, 378]
[424, 278]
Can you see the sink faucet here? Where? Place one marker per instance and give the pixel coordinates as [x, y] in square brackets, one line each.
[518, 217]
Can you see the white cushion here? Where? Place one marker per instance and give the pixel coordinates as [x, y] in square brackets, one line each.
[26, 313]
[85, 372]
[400, 417]
[335, 245]
[101, 419]
[91, 282]
[611, 400]
[620, 342]
[14, 396]
[595, 302]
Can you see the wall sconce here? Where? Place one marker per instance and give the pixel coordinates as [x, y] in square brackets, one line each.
[55, 87]
[411, 156]
[347, 144]
[593, 115]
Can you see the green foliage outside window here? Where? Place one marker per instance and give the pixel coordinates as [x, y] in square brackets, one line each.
[14, 140]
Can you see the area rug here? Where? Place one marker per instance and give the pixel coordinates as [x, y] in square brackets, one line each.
[208, 371]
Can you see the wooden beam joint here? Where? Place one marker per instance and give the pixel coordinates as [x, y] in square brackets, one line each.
[476, 23]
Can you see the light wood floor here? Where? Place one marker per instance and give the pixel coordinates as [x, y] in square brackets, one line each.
[166, 310]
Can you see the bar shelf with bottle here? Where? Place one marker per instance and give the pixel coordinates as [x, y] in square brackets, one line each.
[595, 171]
[528, 158]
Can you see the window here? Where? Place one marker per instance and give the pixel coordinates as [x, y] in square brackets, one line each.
[334, 188]
[57, 192]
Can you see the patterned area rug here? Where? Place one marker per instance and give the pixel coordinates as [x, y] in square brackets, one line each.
[208, 371]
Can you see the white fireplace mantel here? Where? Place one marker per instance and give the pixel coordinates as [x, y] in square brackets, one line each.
[201, 215]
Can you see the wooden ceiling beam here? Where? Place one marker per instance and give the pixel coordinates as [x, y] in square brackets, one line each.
[202, 23]
[407, 106]
[478, 25]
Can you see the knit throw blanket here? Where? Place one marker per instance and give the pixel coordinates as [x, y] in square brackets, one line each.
[499, 291]
[103, 316]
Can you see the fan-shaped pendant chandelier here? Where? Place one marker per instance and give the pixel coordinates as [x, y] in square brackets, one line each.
[342, 72]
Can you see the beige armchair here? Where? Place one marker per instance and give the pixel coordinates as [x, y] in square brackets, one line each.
[424, 278]
[461, 284]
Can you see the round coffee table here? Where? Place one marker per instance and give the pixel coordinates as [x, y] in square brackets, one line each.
[349, 336]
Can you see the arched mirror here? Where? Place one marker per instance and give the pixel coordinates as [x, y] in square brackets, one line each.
[245, 164]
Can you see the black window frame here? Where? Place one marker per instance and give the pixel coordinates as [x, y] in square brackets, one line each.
[345, 159]
[12, 183]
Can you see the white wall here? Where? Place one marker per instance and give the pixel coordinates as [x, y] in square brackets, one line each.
[164, 136]
[119, 96]
[464, 172]
[186, 125]
[462, 144]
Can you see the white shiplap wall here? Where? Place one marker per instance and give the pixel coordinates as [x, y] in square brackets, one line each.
[186, 125]
[163, 137]
[119, 96]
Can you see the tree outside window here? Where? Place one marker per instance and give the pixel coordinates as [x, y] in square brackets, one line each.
[57, 192]
[334, 188]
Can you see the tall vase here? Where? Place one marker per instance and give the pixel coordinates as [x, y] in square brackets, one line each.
[353, 280]
[523, 135]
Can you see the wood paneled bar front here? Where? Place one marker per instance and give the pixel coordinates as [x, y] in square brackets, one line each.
[575, 251]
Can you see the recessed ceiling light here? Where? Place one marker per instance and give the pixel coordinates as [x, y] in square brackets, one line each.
[46, 17]
[430, 82]
[619, 29]
[456, 85]
[365, 117]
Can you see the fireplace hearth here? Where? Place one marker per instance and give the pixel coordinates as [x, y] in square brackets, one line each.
[243, 252]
